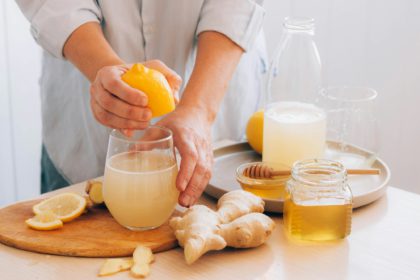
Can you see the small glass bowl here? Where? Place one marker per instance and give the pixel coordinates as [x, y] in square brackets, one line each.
[273, 188]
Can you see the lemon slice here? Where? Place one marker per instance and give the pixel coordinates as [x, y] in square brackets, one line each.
[66, 206]
[44, 221]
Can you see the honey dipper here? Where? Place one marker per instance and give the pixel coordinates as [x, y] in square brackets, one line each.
[264, 172]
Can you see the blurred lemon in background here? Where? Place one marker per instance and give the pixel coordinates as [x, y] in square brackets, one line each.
[154, 85]
[254, 131]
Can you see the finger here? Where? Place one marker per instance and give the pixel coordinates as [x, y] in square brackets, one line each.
[112, 82]
[189, 157]
[174, 80]
[199, 179]
[108, 119]
[120, 108]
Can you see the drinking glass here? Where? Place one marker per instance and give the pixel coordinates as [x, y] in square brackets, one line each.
[351, 122]
[139, 180]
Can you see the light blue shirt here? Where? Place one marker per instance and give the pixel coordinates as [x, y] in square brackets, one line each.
[137, 31]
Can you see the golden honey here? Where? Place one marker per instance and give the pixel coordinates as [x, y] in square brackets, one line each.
[317, 222]
[270, 188]
[270, 191]
[318, 203]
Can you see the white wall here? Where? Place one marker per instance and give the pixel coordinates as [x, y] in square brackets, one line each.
[373, 43]
[20, 117]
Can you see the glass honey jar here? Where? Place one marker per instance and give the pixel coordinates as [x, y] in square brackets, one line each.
[318, 204]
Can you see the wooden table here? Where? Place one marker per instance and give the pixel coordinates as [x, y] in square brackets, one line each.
[384, 244]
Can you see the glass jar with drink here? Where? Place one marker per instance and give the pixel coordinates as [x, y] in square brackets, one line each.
[139, 180]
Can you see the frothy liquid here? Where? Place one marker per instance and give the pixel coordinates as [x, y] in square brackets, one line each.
[293, 131]
[139, 188]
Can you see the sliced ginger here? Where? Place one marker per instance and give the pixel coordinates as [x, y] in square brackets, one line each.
[112, 266]
[142, 258]
[94, 191]
[238, 223]
[140, 270]
[139, 265]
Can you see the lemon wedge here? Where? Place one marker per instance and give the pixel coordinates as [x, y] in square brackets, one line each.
[45, 221]
[66, 206]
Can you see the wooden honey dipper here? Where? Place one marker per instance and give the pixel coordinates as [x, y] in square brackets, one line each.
[264, 172]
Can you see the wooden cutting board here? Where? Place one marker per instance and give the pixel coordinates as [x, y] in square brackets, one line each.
[94, 234]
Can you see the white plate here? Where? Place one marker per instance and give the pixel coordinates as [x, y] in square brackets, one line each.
[365, 189]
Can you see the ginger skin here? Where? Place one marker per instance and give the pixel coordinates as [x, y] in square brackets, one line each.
[250, 230]
[237, 203]
[196, 231]
[238, 223]
[94, 191]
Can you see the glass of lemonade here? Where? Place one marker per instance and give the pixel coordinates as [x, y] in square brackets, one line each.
[139, 180]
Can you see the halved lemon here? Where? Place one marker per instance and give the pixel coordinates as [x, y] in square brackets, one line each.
[66, 206]
[44, 221]
[154, 84]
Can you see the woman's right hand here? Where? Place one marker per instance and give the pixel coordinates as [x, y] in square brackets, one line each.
[117, 105]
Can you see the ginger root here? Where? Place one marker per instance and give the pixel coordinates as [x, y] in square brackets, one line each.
[250, 230]
[94, 191]
[196, 231]
[237, 203]
[238, 223]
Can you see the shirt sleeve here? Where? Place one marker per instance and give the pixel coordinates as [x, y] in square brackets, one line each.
[239, 20]
[53, 21]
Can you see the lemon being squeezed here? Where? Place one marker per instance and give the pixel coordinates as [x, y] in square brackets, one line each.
[154, 85]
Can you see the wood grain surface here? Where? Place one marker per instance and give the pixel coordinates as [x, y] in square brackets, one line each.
[94, 234]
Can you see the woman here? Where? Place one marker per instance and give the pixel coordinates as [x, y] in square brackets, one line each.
[87, 44]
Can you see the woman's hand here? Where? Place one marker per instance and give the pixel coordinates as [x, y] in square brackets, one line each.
[192, 137]
[117, 105]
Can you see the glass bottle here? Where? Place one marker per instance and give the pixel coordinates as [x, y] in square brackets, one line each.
[318, 204]
[295, 71]
[294, 127]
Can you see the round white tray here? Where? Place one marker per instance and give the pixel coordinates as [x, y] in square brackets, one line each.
[365, 189]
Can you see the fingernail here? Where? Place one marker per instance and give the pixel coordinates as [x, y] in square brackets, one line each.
[186, 200]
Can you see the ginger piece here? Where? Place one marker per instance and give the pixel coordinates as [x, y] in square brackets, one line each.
[197, 232]
[250, 230]
[112, 266]
[94, 191]
[142, 257]
[140, 270]
[237, 223]
[237, 203]
[143, 254]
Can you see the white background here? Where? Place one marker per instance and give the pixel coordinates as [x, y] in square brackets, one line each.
[373, 43]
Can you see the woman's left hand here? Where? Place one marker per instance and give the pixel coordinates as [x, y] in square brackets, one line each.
[192, 137]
